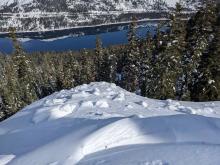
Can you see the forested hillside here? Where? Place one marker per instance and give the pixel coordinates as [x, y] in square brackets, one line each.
[41, 15]
[182, 63]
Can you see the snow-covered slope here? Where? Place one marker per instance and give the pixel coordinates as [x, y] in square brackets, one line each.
[36, 15]
[10, 2]
[90, 4]
[101, 123]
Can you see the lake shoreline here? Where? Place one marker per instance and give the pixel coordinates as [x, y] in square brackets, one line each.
[79, 30]
[68, 40]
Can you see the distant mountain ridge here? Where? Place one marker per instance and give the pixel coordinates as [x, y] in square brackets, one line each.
[88, 5]
[34, 15]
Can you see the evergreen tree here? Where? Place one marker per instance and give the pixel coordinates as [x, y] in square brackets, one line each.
[200, 31]
[11, 91]
[174, 52]
[24, 71]
[130, 60]
[150, 88]
[99, 53]
[206, 85]
[87, 68]
[71, 70]
[108, 67]
[47, 76]
[165, 63]
[2, 86]
[59, 65]
[157, 69]
[146, 66]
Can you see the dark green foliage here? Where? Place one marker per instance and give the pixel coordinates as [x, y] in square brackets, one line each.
[24, 71]
[108, 66]
[70, 71]
[146, 65]
[206, 81]
[130, 60]
[87, 69]
[200, 37]
[11, 91]
[99, 59]
[173, 54]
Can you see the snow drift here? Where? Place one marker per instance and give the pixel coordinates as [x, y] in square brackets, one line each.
[101, 123]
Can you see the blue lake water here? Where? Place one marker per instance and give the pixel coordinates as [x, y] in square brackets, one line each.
[75, 42]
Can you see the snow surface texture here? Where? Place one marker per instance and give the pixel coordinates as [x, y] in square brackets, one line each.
[101, 123]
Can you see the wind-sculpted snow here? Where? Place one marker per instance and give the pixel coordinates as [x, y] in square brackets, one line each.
[100, 123]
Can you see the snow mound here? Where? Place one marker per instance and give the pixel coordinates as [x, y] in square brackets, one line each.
[102, 104]
[87, 104]
[100, 123]
[4, 159]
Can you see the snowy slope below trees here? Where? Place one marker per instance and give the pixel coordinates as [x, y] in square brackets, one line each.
[101, 123]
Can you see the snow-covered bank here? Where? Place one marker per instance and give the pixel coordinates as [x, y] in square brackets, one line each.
[101, 123]
[161, 154]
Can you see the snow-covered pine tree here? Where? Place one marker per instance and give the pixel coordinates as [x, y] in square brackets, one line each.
[215, 67]
[24, 71]
[60, 77]
[99, 53]
[3, 87]
[46, 75]
[87, 71]
[155, 87]
[112, 65]
[11, 91]
[206, 85]
[174, 52]
[146, 65]
[108, 67]
[200, 31]
[130, 60]
[167, 55]
[70, 71]
[2, 62]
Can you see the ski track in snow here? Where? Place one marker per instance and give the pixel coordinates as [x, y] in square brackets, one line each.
[96, 123]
